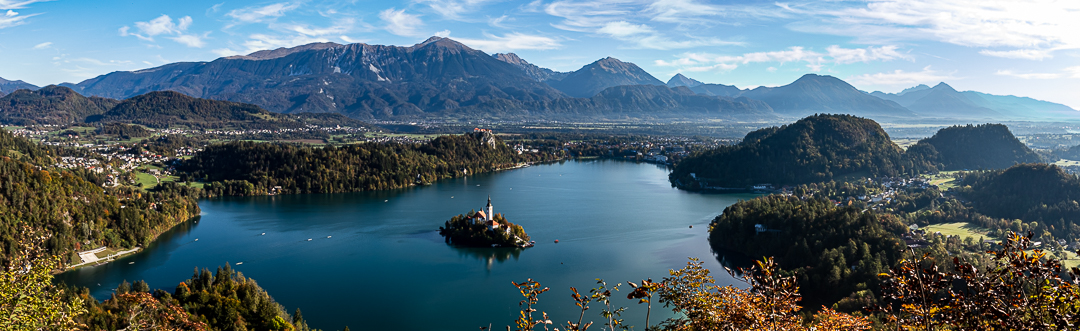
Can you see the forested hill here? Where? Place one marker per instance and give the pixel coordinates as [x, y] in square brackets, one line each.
[60, 105]
[170, 109]
[77, 213]
[50, 105]
[974, 147]
[1030, 192]
[816, 148]
[833, 250]
[248, 168]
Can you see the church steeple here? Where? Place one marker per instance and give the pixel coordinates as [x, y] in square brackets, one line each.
[489, 209]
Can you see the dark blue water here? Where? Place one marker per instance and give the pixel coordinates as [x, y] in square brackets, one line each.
[385, 265]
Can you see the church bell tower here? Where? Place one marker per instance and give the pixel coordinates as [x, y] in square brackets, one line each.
[489, 210]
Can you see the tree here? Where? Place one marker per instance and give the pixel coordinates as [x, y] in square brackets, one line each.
[1022, 291]
[28, 298]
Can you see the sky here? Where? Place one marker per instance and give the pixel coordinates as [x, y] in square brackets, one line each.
[1015, 47]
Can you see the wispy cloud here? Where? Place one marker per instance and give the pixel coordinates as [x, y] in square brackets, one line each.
[628, 21]
[43, 45]
[813, 60]
[511, 42]
[258, 14]
[900, 77]
[644, 36]
[1074, 72]
[851, 55]
[164, 25]
[12, 18]
[1046, 75]
[20, 4]
[401, 23]
[455, 9]
[1032, 28]
[1026, 54]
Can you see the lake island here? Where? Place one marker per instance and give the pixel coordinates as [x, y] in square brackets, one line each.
[484, 228]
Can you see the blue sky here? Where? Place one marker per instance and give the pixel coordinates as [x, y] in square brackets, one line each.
[1017, 47]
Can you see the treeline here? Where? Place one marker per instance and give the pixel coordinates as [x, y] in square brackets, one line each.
[78, 213]
[248, 168]
[223, 300]
[834, 251]
[827, 147]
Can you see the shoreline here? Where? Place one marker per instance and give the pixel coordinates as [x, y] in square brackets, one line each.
[105, 260]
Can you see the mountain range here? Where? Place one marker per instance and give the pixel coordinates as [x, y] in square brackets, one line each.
[944, 101]
[8, 86]
[443, 79]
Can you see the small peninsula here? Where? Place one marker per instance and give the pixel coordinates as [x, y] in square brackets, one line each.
[484, 228]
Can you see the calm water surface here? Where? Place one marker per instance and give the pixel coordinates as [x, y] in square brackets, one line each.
[385, 265]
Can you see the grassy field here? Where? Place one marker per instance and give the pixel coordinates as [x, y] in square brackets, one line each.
[962, 229]
[943, 180]
[146, 181]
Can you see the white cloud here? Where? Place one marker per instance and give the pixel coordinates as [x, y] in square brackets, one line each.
[619, 19]
[223, 52]
[351, 40]
[43, 45]
[645, 36]
[1028, 75]
[1074, 72]
[869, 54]
[498, 21]
[454, 9]
[10, 4]
[1023, 25]
[340, 26]
[1026, 54]
[900, 77]
[258, 42]
[719, 67]
[680, 11]
[12, 18]
[164, 25]
[814, 61]
[443, 33]
[401, 23]
[263, 13]
[511, 42]
[190, 40]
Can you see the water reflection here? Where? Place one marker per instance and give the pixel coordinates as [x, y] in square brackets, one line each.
[731, 259]
[490, 255]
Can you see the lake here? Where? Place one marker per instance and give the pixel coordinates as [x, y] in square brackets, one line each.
[385, 266]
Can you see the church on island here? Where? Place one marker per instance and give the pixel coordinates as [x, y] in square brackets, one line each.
[484, 228]
[486, 216]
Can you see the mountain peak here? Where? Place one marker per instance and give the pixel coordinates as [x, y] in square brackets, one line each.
[920, 87]
[680, 80]
[510, 58]
[820, 79]
[442, 42]
[943, 86]
[602, 74]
